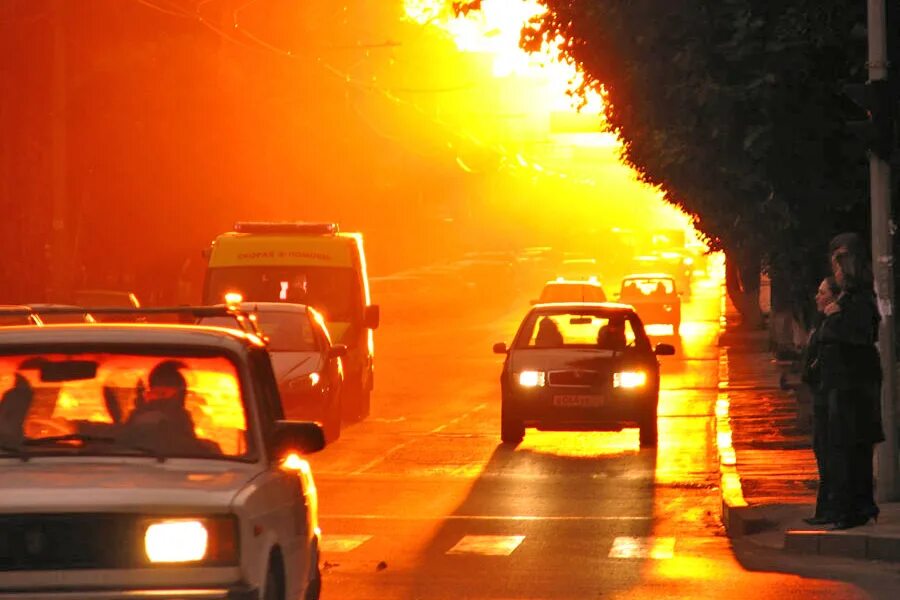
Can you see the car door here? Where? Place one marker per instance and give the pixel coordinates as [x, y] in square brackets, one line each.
[285, 493]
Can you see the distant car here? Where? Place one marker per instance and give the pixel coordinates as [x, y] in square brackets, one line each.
[675, 264]
[106, 298]
[151, 461]
[307, 365]
[565, 290]
[52, 314]
[655, 297]
[13, 314]
[109, 299]
[579, 269]
[580, 367]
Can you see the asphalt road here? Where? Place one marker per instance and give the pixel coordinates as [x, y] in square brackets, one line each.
[422, 501]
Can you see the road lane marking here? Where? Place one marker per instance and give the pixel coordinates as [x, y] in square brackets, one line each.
[660, 548]
[342, 543]
[487, 545]
[378, 460]
[527, 518]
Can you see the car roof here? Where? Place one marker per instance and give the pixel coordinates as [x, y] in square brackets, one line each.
[648, 276]
[136, 334]
[574, 282]
[45, 305]
[275, 307]
[608, 306]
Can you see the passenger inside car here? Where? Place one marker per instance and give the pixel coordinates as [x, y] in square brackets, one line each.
[612, 335]
[548, 335]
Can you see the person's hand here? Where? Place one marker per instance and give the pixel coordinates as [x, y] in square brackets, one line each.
[832, 309]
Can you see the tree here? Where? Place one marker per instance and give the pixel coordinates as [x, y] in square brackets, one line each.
[735, 109]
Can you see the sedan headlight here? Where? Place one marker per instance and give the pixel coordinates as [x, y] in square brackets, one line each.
[532, 379]
[629, 379]
[176, 541]
[205, 541]
[305, 382]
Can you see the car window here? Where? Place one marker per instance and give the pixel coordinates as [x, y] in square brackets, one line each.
[126, 403]
[288, 331]
[9, 320]
[641, 288]
[575, 329]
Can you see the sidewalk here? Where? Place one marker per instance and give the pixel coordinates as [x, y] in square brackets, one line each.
[768, 468]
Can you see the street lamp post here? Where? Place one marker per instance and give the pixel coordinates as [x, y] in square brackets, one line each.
[883, 263]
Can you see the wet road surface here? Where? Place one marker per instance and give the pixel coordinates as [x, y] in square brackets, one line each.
[422, 501]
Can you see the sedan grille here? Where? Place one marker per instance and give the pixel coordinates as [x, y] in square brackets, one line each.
[576, 378]
[69, 541]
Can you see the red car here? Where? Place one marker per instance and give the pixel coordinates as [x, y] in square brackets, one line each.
[655, 297]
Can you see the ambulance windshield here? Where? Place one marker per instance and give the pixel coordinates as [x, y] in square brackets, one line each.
[333, 291]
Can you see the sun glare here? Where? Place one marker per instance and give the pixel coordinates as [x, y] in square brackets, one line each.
[495, 29]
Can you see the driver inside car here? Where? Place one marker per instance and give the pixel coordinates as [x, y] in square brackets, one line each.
[160, 420]
[612, 335]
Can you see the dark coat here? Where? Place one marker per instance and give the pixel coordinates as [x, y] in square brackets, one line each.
[850, 365]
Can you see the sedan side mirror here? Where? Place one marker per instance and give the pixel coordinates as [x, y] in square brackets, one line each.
[500, 348]
[304, 437]
[664, 350]
[372, 317]
[337, 351]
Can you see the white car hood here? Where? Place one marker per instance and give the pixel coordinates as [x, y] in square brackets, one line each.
[288, 365]
[131, 485]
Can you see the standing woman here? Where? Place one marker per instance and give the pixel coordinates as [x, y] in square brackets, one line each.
[851, 376]
[827, 293]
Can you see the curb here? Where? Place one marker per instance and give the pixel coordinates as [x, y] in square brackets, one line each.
[737, 516]
[741, 519]
[846, 544]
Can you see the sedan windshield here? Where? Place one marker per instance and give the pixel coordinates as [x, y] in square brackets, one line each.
[288, 331]
[121, 404]
[575, 329]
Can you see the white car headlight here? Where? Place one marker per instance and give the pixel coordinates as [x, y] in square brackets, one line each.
[310, 380]
[629, 379]
[532, 379]
[176, 541]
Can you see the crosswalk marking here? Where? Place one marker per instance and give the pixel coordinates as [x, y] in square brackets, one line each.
[342, 543]
[487, 545]
[635, 547]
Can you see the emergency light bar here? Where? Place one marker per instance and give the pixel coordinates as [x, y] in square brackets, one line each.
[297, 227]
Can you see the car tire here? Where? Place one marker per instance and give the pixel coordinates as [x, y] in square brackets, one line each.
[314, 589]
[512, 431]
[357, 403]
[649, 431]
[274, 586]
[333, 421]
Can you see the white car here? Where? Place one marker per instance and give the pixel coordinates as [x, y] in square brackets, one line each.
[568, 290]
[141, 461]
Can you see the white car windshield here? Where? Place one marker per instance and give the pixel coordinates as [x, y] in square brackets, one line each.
[121, 404]
[288, 331]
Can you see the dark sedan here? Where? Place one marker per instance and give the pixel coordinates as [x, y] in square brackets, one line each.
[580, 367]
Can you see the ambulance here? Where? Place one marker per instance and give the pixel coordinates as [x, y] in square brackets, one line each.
[304, 263]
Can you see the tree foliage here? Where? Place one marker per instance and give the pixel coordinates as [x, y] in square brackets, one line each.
[735, 108]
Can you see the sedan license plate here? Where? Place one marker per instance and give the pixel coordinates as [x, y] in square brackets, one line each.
[577, 400]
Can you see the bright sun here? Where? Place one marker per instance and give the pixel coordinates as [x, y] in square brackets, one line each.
[496, 29]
